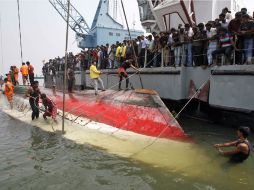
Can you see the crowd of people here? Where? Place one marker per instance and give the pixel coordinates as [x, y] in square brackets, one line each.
[12, 79]
[187, 45]
[26, 70]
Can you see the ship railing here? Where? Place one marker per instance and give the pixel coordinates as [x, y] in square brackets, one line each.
[219, 60]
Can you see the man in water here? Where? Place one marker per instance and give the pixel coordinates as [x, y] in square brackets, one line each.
[95, 76]
[122, 72]
[8, 91]
[242, 150]
[33, 93]
[50, 107]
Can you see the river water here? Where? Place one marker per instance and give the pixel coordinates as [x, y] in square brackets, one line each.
[34, 159]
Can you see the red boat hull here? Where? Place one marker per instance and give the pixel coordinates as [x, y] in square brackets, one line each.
[142, 113]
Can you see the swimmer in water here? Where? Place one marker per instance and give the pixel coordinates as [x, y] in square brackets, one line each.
[242, 146]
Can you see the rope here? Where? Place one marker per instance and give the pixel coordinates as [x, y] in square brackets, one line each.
[177, 115]
[20, 39]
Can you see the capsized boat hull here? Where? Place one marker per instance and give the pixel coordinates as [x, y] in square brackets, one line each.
[139, 111]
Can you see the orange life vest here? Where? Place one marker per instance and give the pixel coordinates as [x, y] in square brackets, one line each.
[8, 90]
[24, 70]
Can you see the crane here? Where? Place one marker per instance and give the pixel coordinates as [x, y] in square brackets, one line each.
[105, 29]
[76, 21]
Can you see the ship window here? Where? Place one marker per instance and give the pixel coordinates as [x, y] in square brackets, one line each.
[118, 34]
[110, 33]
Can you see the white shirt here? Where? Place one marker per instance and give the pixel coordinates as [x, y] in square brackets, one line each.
[211, 33]
[144, 43]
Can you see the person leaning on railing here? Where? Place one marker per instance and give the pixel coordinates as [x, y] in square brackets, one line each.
[198, 45]
[226, 44]
[212, 42]
[234, 28]
[247, 32]
[188, 45]
[176, 45]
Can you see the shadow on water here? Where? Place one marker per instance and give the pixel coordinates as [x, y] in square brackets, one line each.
[34, 159]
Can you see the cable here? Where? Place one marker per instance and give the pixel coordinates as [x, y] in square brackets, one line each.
[177, 115]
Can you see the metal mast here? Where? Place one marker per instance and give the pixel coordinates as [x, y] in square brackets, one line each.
[20, 37]
[76, 21]
[115, 9]
[66, 59]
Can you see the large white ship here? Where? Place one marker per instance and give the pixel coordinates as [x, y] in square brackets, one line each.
[161, 15]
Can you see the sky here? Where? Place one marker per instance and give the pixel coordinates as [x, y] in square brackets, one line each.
[43, 30]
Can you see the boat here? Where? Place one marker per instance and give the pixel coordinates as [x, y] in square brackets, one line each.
[140, 111]
[161, 15]
[173, 150]
[221, 89]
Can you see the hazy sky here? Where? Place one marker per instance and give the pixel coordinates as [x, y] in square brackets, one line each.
[43, 30]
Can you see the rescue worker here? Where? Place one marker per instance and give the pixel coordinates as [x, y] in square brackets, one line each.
[24, 72]
[30, 72]
[1, 80]
[122, 72]
[71, 79]
[95, 76]
[11, 72]
[50, 108]
[16, 75]
[8, 91]
[33, 93]
[8, 75]
[242, 150]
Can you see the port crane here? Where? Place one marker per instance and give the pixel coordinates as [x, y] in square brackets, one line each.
[105, 29]
[76, 21]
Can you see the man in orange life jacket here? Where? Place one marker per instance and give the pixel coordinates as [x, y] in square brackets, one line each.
[30, 72]
[8, 91]
[24, 72]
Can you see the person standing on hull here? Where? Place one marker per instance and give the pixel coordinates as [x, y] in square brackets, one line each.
[16, 75]
[50, 108]
[243, 147]
[34, 93]
[30, 72]
[122, 72]
[24, 72]
[8, 91]
[95, 76]
[71, 79]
